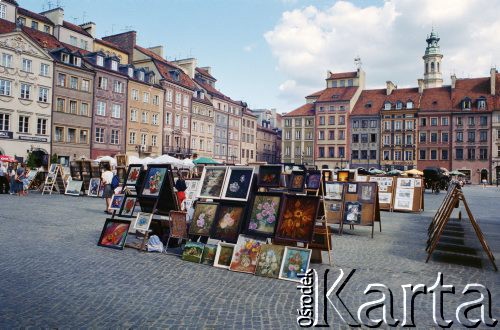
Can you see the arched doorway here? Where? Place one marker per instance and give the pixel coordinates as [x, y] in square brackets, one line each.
[484, 174]
[39, 158]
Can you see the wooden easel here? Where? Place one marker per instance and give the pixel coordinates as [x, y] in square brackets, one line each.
[57, 182]
[317, 248]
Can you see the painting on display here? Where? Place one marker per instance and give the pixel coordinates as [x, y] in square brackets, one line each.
[332, 210]
[121, 173]
[264, 214]
[133, 174]
[297, 218]
[128, 206]
[366, 192]
[52, 168]
[297, 181]
[224, 255]
[384, 198]
[343, 176]
[269, 260]
[154, 181]
[295, 262]
[212, 181]
[178, 224]
[269, 176]
[352, 188]
[238, 183]
[114, 233]
[228, 222]
[51, 178]
[192, 189]
[203, 218]
[73, 188]
[121, 160]
[405, 183]
[193, 251]
[404, 199]
[116, 202]
[143, 221]
[352, 213]
[313, 179]
[209, 252]
[334, 190]
[245, 254]
[94, 185]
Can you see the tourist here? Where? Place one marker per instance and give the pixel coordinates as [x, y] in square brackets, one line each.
[19, 180]
[12, 179]
[107, 178]
[181, 187]
[4, 183]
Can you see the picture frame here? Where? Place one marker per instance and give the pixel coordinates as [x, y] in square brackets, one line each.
[116, 202]
[143, 221]
[94, 185]
[52, 168]
[333, 211]
[228, 222]
[405, 183]
[121, 173]
[212, 182]
[297, 181]
[224, 255]
[297, 218]
[133, 173]
[114, 233]
[209, 252]
[203, 218]
[352, 188]
[245, 254]
[178, 224]
[367, 192]
[269, 176]
[343, 176]
[238, 183]
[313, 180]
[121, 160]
[73, 188]
[128, 206]
[156, 176]
[193, 252]
[384, 198]
[269, 260]
[295, 261]
[263, 214]
[352, 213]
[333, 190]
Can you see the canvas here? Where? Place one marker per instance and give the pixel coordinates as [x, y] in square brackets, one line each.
[52, 168]
[154, 181]
[269, 176]
[133, 174]
[367, 192]
[94, 185]
[212, 181]
[128, 206]
[193, 251]
[297, 181]
[209, 252]
[295, 261]
[73, 188]
[332, 211]
[143, 221]
[405, 182]
[238, 183]
[343, 176]
[203, 218]
[228, 222]
[264, 214]
[121, 174]
[178, 224]
[334, 190]
[114, 233]
[352, 213]
[269, 260]
[384, 198]
[313, 179]
[245, 254]
[224, 255]
[116, 202]
[297, 218]
[352, 188]
[121, 160]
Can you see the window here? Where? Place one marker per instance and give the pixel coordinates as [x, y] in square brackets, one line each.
[364, 124]
[101, 108]
[397, 139]
[178, 98]
[321, 120]
[169, 95]
[397, 155]
[355, 124]
[133, 115]
[154, 140]
[364, 154]
[25, 91]
[321, 135]
[71, 135]
[387, 106]
[459, 121]
[387, 125]
[471, 153]
[483, 120]
[72, 107]
[186, 101]
[434, 121]
[364, 138]
[118, 87]
[460, 136]
[355, 154]
[471, 136]
[24, 124]
[144, 117]
[27, 65]
[331, 152]
[99, 135]
[481, 104]
[131, 139]
[156, 100]
[59, 134]
[100, 60]
[61, 79]
[386, 154]
[444, 121]
[399, 105]
[77, 61]
[331, 135]
[341, 120]
[483, 136]
[422, 154]
[44, 70]
[154, 119]
[84, 109]
[466, 104]
[135, 95]
[459, 153]
[116, 110]
[4, 122]
[60, 105]
[297, 134]
[373, 154]
[3, 11]
[114, 65]
[409, 105]
[5, 87]
[287, 135]
[168, 118]
[444, 154]
[373, 138]
[65, 58]
[434, 137]
[83, 136]
[184, 122]
[46, 29]
[145, 97]
[387, 140]
[397, 125]
[321, 152]
[114, 136]
[102, 83]
[177, 120]
[85, 85]
[144, 138]
[6, 60]
[471, 121]
[423, 122]
[73, 40]
[409, 139]
[433, 154]
[73, 82]
[341, 152]
[444, 137]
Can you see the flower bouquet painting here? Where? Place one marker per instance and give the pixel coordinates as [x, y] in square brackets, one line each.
[295, 261]
[153, 181]
[133, 174]
[128, 206]
[143, 221]
[238, 184]
[116, 202]
[298, 215]
[203, 218]
[228, 222]
[245, 254]
[269, 260]
[212, 180]
[114, 233]
[264, 215]
[269, 175]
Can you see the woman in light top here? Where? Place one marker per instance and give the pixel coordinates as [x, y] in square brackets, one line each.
[107, 178]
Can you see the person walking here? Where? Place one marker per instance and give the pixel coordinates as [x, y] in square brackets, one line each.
[4, 184]
[107, 178]
[181, 187]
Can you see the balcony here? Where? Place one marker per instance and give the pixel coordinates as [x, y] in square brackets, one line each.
[177, 151]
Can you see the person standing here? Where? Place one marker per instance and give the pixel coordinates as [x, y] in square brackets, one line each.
[12, 178]
[181, 187]
[107, 178]
[20, 174]
[4, 184]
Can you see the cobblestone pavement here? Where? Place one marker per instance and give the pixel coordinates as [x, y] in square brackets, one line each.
[53, 275]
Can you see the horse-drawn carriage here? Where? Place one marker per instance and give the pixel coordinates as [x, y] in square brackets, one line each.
[436, 179]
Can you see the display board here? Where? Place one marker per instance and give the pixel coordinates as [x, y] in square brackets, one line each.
[408, 195]
[54, 180]
[81, 170]
[386, 185]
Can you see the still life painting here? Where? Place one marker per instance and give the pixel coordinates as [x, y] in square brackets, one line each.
[238, 183]
[313, 179]
[264, 214]
[128, 206]
[114, 233]
[143, 221]
[224, 255]
[153, 181]
[133, 174]
[297, 218]
[269, 176]
[297, 181]
[228, 221]
[245, 254]
[212, 180]
[209, 252]
[352, 213]
[203, 218]
[193, 251]
[269, 260]
[295, 262]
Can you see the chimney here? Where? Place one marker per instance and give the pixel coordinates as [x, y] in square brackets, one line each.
[56, 15]
[90, 28]
[188, 65]
[158, 50]
[420, 86]
[328, 74]
[126, 41]
[208, 69]
[390, 87]
[453, 81]
[493, 76]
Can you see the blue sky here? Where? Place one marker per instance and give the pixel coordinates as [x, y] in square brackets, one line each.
[272, 53]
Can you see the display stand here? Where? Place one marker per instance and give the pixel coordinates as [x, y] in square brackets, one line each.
[178, 228]
[408, 195]
[452, 199]
[321, 242]
[386, 189]
[55, 181]
[365, 197]
[81, 170]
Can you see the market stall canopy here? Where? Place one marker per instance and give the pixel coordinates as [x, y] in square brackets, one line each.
[186, 162]
[205, 160]
[166, 159]
[147, 160]
[5, 158]
[109, 159]
[134, 160]
[395, 172]
[376, 171]
[414, 172]
[455, 172]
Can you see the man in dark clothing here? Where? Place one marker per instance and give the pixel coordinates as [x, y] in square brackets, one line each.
[181, 187]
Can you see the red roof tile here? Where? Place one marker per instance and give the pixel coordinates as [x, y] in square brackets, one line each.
[405, 94]
[6, 26]
[203, 100]
[165, 67]
[213, 91]
[304, 110]
[76, 28]
[205, 73]
[316, 94]
[370, 102]
[473, 88]
[436, 99]
[150, 53]
[26, 12]
[343, 75]
[337, 94]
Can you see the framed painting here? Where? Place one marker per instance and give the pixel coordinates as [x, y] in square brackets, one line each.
[94, 185]
[133, 174]
[238, 183]
[128, 206]
[405, 183]
[264, 214]
[143, 221]
[269, 176]
[384, 198]
[313, 179]
[121, 173]
[212, 181]
[121, 160]
[223, 255]
[297, 181]
[52, 168]
[192, 188]
[229, 219]
[73, 188]
[269, 260]
[193, 251]
[153, 181]
[333, 211]
[245, 254]
[334, 190]
[203, 218]
[116, 202]
[209, 252]
[295, 261]
[114, 233]
[352, 188]
[367, 192]
[343, 176]
[297, 218]
[178, 224]
[352, 213]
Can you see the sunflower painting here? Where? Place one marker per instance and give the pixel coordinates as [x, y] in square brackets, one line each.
[298, 215]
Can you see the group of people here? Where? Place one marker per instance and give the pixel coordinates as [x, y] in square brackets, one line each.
[13, 179]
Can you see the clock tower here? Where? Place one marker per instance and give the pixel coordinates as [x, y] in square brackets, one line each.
[432, 62]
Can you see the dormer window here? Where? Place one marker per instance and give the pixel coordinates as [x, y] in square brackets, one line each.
[368, 105]
[175, 74]
[387, 106]
[399, 105]
[114, 65]
[77, 61]
[131, 72]
[100, 60]
[65, 58]
[141, 75]
[481, 103]
[152, 79]
[409, 105]
[466, 104]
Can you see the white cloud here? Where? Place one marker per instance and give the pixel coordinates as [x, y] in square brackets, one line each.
[389, 38]
[249, 48]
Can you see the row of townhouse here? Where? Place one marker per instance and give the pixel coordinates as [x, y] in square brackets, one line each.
[454, 126]
[65, 92]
